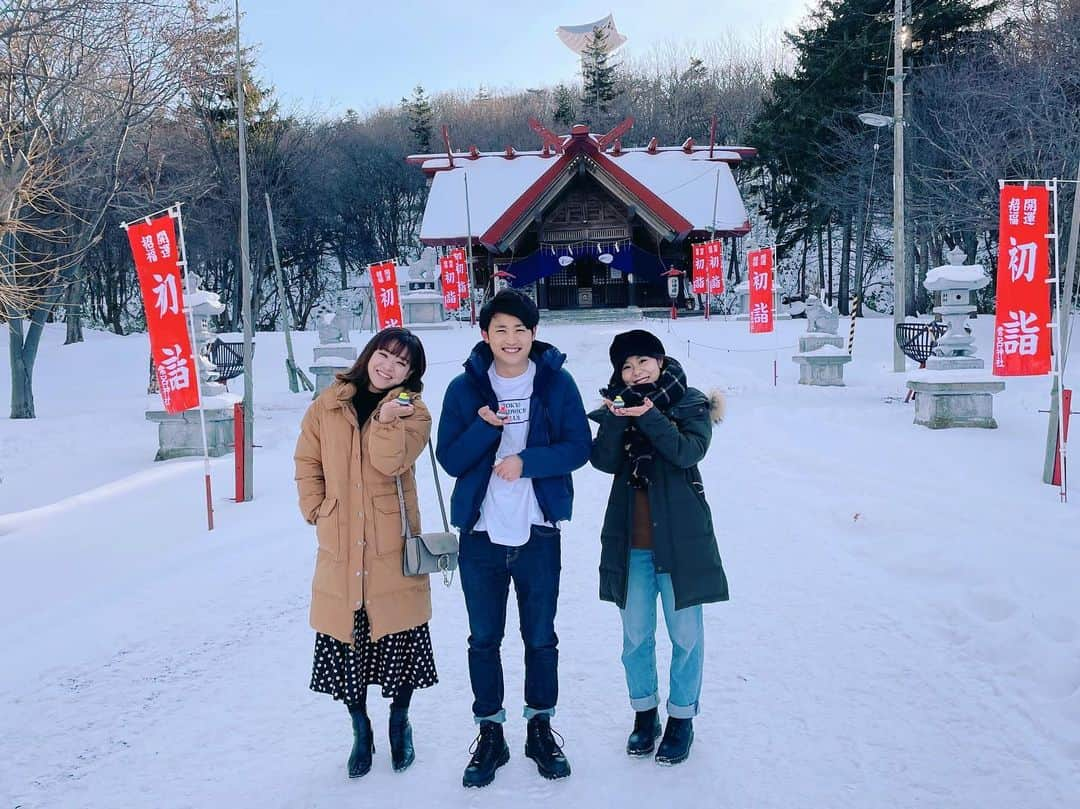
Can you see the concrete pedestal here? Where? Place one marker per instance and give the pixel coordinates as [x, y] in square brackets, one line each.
[821, 368]
[953, 364]
[180, 434]
[338, 351]
[821, 359]
[942, 404]
[423, 310]
[325, 373]
[813, 340]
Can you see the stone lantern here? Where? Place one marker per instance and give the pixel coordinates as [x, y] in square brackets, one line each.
[180, 434]
[955, 281]
[948, 393]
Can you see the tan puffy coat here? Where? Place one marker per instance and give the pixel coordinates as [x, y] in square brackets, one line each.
[345, 479]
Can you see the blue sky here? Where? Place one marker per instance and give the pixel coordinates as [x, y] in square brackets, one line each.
[329, 55]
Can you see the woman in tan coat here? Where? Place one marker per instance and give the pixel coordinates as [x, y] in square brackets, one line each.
[370, 619]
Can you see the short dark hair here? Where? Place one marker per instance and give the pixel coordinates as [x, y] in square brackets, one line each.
[401, 342]
[510, 302]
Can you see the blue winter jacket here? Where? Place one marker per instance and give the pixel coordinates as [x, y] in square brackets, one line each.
[559, 437]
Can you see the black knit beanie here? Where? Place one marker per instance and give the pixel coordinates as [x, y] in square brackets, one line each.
[634, 343]
[510, 302]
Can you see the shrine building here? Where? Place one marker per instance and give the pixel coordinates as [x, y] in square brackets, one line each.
[584, 223]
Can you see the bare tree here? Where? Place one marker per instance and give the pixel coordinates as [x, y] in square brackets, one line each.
[78, 83]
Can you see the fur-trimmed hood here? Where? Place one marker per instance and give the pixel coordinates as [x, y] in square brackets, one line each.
[717, 405]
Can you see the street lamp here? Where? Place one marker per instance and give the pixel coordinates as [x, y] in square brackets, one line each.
[896, 121]
[875, 120]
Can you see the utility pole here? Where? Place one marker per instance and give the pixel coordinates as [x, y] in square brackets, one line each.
[245, 268]
[899, 266]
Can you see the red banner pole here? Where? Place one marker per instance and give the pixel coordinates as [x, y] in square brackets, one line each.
[1066, 408]
[1064, 404]
[238, 449]
[174, 212]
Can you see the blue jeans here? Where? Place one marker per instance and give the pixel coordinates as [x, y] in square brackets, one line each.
[685, 628]
[486, 572]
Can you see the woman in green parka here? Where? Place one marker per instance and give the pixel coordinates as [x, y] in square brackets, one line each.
[657, 538]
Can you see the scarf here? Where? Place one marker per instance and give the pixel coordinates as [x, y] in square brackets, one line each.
[664, 393]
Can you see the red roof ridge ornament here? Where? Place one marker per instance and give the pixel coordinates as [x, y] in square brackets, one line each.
[617, 132]
[446, 140]
[549, 138]
[474, 153]
[509, 153]
[653, 146]
[616, 149]
[688, 145]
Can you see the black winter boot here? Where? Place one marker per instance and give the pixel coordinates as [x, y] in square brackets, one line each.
[489, 752]
[541, 747]
[646, 731]
[401, 746]
[363, 745]
[675, 746]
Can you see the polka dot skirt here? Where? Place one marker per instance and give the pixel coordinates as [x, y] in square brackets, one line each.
[344, 670]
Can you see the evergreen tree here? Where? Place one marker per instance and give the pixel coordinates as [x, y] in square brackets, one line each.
[689, 105]
[564, 106]
[842, 56]
[598, 76]
[418, 112]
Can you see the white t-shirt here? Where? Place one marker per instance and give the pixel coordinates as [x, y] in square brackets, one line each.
[510, 509]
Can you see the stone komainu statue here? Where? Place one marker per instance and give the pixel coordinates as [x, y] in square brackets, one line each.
[820, 318]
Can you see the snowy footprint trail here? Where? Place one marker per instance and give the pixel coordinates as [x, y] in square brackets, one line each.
[902, 630]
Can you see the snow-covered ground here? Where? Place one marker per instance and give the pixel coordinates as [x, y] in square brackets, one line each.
[904, 629]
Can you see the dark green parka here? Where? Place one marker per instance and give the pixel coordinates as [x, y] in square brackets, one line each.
[684, 544]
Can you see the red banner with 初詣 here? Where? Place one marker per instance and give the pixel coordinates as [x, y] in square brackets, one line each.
[714, 267]
[448, 273]
[385, 289]
[697, 270]
[1021, 333]
[462, 271]
[153, 246]
[760, 265]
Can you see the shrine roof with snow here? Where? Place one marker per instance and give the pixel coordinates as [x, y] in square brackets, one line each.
[675, 190]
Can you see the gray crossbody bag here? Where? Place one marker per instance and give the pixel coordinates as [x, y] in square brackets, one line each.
[432, 552]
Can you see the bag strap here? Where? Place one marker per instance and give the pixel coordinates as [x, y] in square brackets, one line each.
[405, 530]
[438, 487]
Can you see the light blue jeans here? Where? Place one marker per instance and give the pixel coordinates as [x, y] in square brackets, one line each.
[685, 628]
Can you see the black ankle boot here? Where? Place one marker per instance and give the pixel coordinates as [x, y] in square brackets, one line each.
[363, 745]
[401, 745]
[541, 747]
[675, 746]
[489, 752]
[646, 731]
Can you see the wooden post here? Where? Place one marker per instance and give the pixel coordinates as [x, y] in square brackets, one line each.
[290, 363]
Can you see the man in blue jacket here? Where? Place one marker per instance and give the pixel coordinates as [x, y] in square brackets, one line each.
[511, 431]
